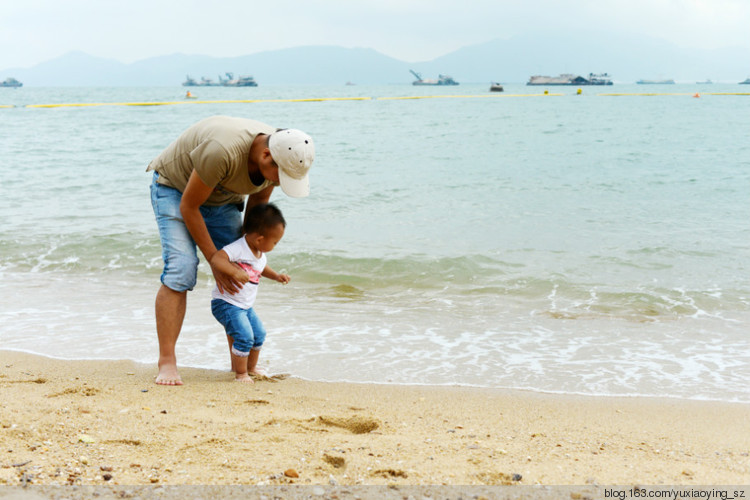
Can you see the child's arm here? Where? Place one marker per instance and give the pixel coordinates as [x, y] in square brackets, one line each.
[220, 260]
[273, 275]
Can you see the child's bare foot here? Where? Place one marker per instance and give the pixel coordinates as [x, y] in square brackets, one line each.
[260, 372]
[243, 377]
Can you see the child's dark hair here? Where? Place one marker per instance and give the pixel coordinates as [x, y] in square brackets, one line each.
[263, 217]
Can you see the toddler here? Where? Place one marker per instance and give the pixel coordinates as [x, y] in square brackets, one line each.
[245, 259]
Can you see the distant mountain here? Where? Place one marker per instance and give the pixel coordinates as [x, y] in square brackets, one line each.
[626, 59]
[301, 65]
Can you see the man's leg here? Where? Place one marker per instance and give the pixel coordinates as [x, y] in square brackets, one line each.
[170, 312]
[178, 276]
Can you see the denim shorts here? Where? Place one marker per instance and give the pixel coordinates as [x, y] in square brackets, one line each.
[243, 325]
[224, 224]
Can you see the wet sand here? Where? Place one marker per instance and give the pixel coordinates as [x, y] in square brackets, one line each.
[107, 423]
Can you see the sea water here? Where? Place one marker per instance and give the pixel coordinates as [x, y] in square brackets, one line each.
[586, 244]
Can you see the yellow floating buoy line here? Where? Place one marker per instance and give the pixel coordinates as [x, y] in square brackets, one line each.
[253, 101]
[672, 93]
[171, 103]
[614, 94]
[323, 99]
[407, 97]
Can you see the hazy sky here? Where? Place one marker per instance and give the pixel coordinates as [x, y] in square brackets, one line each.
[33, 31]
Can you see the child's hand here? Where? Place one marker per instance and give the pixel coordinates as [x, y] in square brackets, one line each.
[283, 278]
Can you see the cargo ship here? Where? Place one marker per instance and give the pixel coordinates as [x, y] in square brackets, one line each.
[442, 80]
[205, 82]
[571, 79]
[242, 81]
[229, 81]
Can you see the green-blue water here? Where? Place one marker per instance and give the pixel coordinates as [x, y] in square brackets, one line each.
[586, 244]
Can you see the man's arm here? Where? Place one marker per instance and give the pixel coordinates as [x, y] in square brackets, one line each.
[220, 261]
[258, 198]
[195, 194]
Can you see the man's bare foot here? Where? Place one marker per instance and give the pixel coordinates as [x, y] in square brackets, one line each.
[244, 377]
[168, 375]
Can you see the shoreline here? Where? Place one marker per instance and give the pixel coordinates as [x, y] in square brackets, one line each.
[106, 423]
[519, 390]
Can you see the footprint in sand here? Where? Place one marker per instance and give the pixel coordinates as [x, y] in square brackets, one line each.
[389, 473]
[270, 378]
[355, 425]
[39, 380]
[257, 402]
[86, 391]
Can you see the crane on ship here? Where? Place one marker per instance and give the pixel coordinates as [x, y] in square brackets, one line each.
[416, 75]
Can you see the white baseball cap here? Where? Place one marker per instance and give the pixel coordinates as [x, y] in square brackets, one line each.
[294, 152]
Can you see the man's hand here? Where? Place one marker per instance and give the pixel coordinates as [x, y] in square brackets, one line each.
[231, 281]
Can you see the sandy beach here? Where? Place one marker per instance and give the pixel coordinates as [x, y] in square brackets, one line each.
[107, 423]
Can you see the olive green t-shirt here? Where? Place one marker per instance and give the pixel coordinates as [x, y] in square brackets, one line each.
[218, 149]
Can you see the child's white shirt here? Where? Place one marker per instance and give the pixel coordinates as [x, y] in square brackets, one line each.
[240, 253]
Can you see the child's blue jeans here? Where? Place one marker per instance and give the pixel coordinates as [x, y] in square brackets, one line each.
[243, 325]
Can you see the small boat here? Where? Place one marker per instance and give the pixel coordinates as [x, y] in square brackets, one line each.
[442, 80]
[707, 81]
[11, 82]
[496, 87]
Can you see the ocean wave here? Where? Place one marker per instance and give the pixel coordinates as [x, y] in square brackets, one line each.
[79, 253]
[472, 282]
